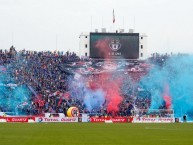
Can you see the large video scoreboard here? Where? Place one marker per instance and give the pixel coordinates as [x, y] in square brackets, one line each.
[114, 45]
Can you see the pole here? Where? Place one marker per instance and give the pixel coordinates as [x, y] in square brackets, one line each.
[102, 23]
[134, 24]
[91, 24]
[56, 41]
[123, 23]
[12, 38]
[113, 27]
[113, 19]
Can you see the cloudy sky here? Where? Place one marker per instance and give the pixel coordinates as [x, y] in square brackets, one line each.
[35, 24]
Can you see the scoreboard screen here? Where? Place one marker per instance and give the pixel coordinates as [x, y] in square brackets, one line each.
[114, 45]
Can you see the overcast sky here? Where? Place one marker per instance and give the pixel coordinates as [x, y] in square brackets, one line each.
[36, 23]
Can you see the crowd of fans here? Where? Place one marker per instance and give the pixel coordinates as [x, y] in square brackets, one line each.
[41, 74]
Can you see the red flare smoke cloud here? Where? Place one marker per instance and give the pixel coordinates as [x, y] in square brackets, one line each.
[166, 97]
[105, 82]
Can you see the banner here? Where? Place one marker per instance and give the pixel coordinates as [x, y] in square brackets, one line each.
[104, 119]
[2, 120]
[18, 119]
[56, 119]
[130, 119]
[85, 117]
[153, 120]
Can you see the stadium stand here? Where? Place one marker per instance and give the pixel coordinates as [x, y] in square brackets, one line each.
[46, 77]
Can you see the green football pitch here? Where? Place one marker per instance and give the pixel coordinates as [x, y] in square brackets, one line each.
[96, 134]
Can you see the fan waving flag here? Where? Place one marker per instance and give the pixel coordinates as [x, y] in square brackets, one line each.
[113, 16]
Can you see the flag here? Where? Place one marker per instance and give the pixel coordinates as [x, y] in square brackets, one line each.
[22, 104]
[54, 94]
[60, 101]
[113, 16]
[63, 96]
[3, 68]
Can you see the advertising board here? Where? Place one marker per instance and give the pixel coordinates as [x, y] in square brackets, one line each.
[153, 120]
[56, 119]
[104, 119]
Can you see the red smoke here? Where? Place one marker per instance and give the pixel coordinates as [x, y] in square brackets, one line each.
[110, 87]
[103, 47]
[166, 97]
[168, 101]
[113, 97]
[104, 80]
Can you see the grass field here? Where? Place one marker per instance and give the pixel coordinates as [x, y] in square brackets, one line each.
[96, 134]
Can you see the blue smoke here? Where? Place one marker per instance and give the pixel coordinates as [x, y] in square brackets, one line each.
[92, 99]
[177, 73]
[14, 98]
